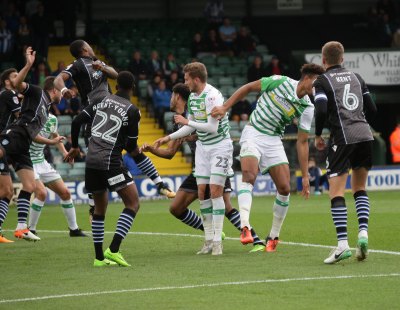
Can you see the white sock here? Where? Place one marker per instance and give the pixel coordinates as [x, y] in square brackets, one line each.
[21, 226]
[69, 212]
[207, 216]
[343, 244]
[245, 199]
[363, 234]
[34, 213]
[280, 208]
[157, 180]
[218, 205]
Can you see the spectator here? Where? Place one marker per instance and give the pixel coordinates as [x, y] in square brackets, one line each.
[396, 39]
[170, 65]
[173, 80]
[68, 145]
[316, 178]
[245, 44]
[31, 7]
[386, 30]
[197, 45]
[138, 67]
[241, 111]
[24, 34]
[275, 67]
[41, 26]
[386, 7]
[395, 142]
[256, 71]
[154, 65]
[161, 101]
[12, 17]
[228, 33]
[153, 85]
[39, 74]
[5, 38]
[60, 67]
[213, 43]
[214, 11]
[74, 105]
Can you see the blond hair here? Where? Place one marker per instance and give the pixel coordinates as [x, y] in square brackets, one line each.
[196, 70]
[333, 52]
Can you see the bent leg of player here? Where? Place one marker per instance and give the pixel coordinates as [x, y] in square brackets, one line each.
[58, 186]
[147, 167]
[179, 208]
[130, 197]
[27, 178]
[206, 210]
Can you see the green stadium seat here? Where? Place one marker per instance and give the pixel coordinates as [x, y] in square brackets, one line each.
[224, 61]
[64, 120]
[225, 81]
[239, 81]
[64, 130]
[208, 60]
[233, 70]
[216, 71]
[234, 125]
[261, 48]
[242, 124]
[79, 165]
[235, 134]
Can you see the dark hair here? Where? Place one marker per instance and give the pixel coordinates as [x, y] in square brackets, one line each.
[125, 80]
[311, 69]
[5, 75]
[182, 90]
[76, 47]
[49, 83]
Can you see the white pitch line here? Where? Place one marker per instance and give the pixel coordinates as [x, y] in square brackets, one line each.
[205, 285]
[310, 245]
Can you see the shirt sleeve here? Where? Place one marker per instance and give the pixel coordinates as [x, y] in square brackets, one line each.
[213, 99]
[306, 118]
[90, 110]
[12, 101]
[72, 70]
[133, 130]
[54, 129]
[269, 83]
[32, 91]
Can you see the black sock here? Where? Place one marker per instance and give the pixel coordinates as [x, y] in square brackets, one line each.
[362, 208]
[124, 223]
[191, 219]
[98, 235]
[23, 204]
[3, 209]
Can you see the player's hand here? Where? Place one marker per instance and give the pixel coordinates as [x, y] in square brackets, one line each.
[97, 65]
[179, 119]
[71, 161]
[145, 148]
[73, 153]
[305, 182]
[161, 141]
[218, 112]
[30, 56]
[57, 140]
[319, 142]
[68, 94]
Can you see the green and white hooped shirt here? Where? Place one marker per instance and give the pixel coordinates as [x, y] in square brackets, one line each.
[278, 105]
[200, 107]
[36, 149]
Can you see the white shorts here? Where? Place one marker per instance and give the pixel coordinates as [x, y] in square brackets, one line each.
[215, 159]
[267, 149]
[45, 172]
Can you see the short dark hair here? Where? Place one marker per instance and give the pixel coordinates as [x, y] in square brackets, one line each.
[5, 75]
[49, 83]
[125, 80]
[76, 47]
[311, 69]
[183, 91]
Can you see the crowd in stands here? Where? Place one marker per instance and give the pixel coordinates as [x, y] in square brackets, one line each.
[384, 22]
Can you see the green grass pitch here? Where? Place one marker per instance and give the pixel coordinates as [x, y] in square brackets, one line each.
[57, 272]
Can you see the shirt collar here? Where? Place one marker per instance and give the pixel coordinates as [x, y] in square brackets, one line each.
[123, 95]
[334, 67]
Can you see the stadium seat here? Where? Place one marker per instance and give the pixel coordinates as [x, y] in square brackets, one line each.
[239, 81]
[79, 165]
[225, 81]
[235, 134]
[64, 130]
[261, 48]
[234, 125]
[216, 71]
[64, 120]
[233, 70]
[224, 61]
[242, 124]
[168, 117]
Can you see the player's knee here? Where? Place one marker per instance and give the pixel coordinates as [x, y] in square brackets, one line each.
[41, 194]
[65, 194]
[175, 210]
[283, 189]
[29, 187]
[249, 176]
[7, 192]
[216, 191]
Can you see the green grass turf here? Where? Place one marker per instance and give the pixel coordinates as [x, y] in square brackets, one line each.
[60, 265]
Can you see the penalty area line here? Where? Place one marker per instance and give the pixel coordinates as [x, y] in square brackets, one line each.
[205, 285]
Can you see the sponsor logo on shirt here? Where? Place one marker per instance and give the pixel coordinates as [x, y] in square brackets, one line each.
[15, 99]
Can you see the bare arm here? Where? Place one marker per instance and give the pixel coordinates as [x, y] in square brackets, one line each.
[238, 95]
[302, 153]
[168, 153]
[43, 140]
[18, 82]
[108, 70]
[59, 83]
[60, 146]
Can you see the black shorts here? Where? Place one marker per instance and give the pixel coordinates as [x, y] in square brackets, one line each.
[343, 157]
[97, 181]
[15, 143]
[190, 185]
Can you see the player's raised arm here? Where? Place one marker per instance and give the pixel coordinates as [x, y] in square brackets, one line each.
[59, 83]
[18, 81]
[238, 95]
[107, 70]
